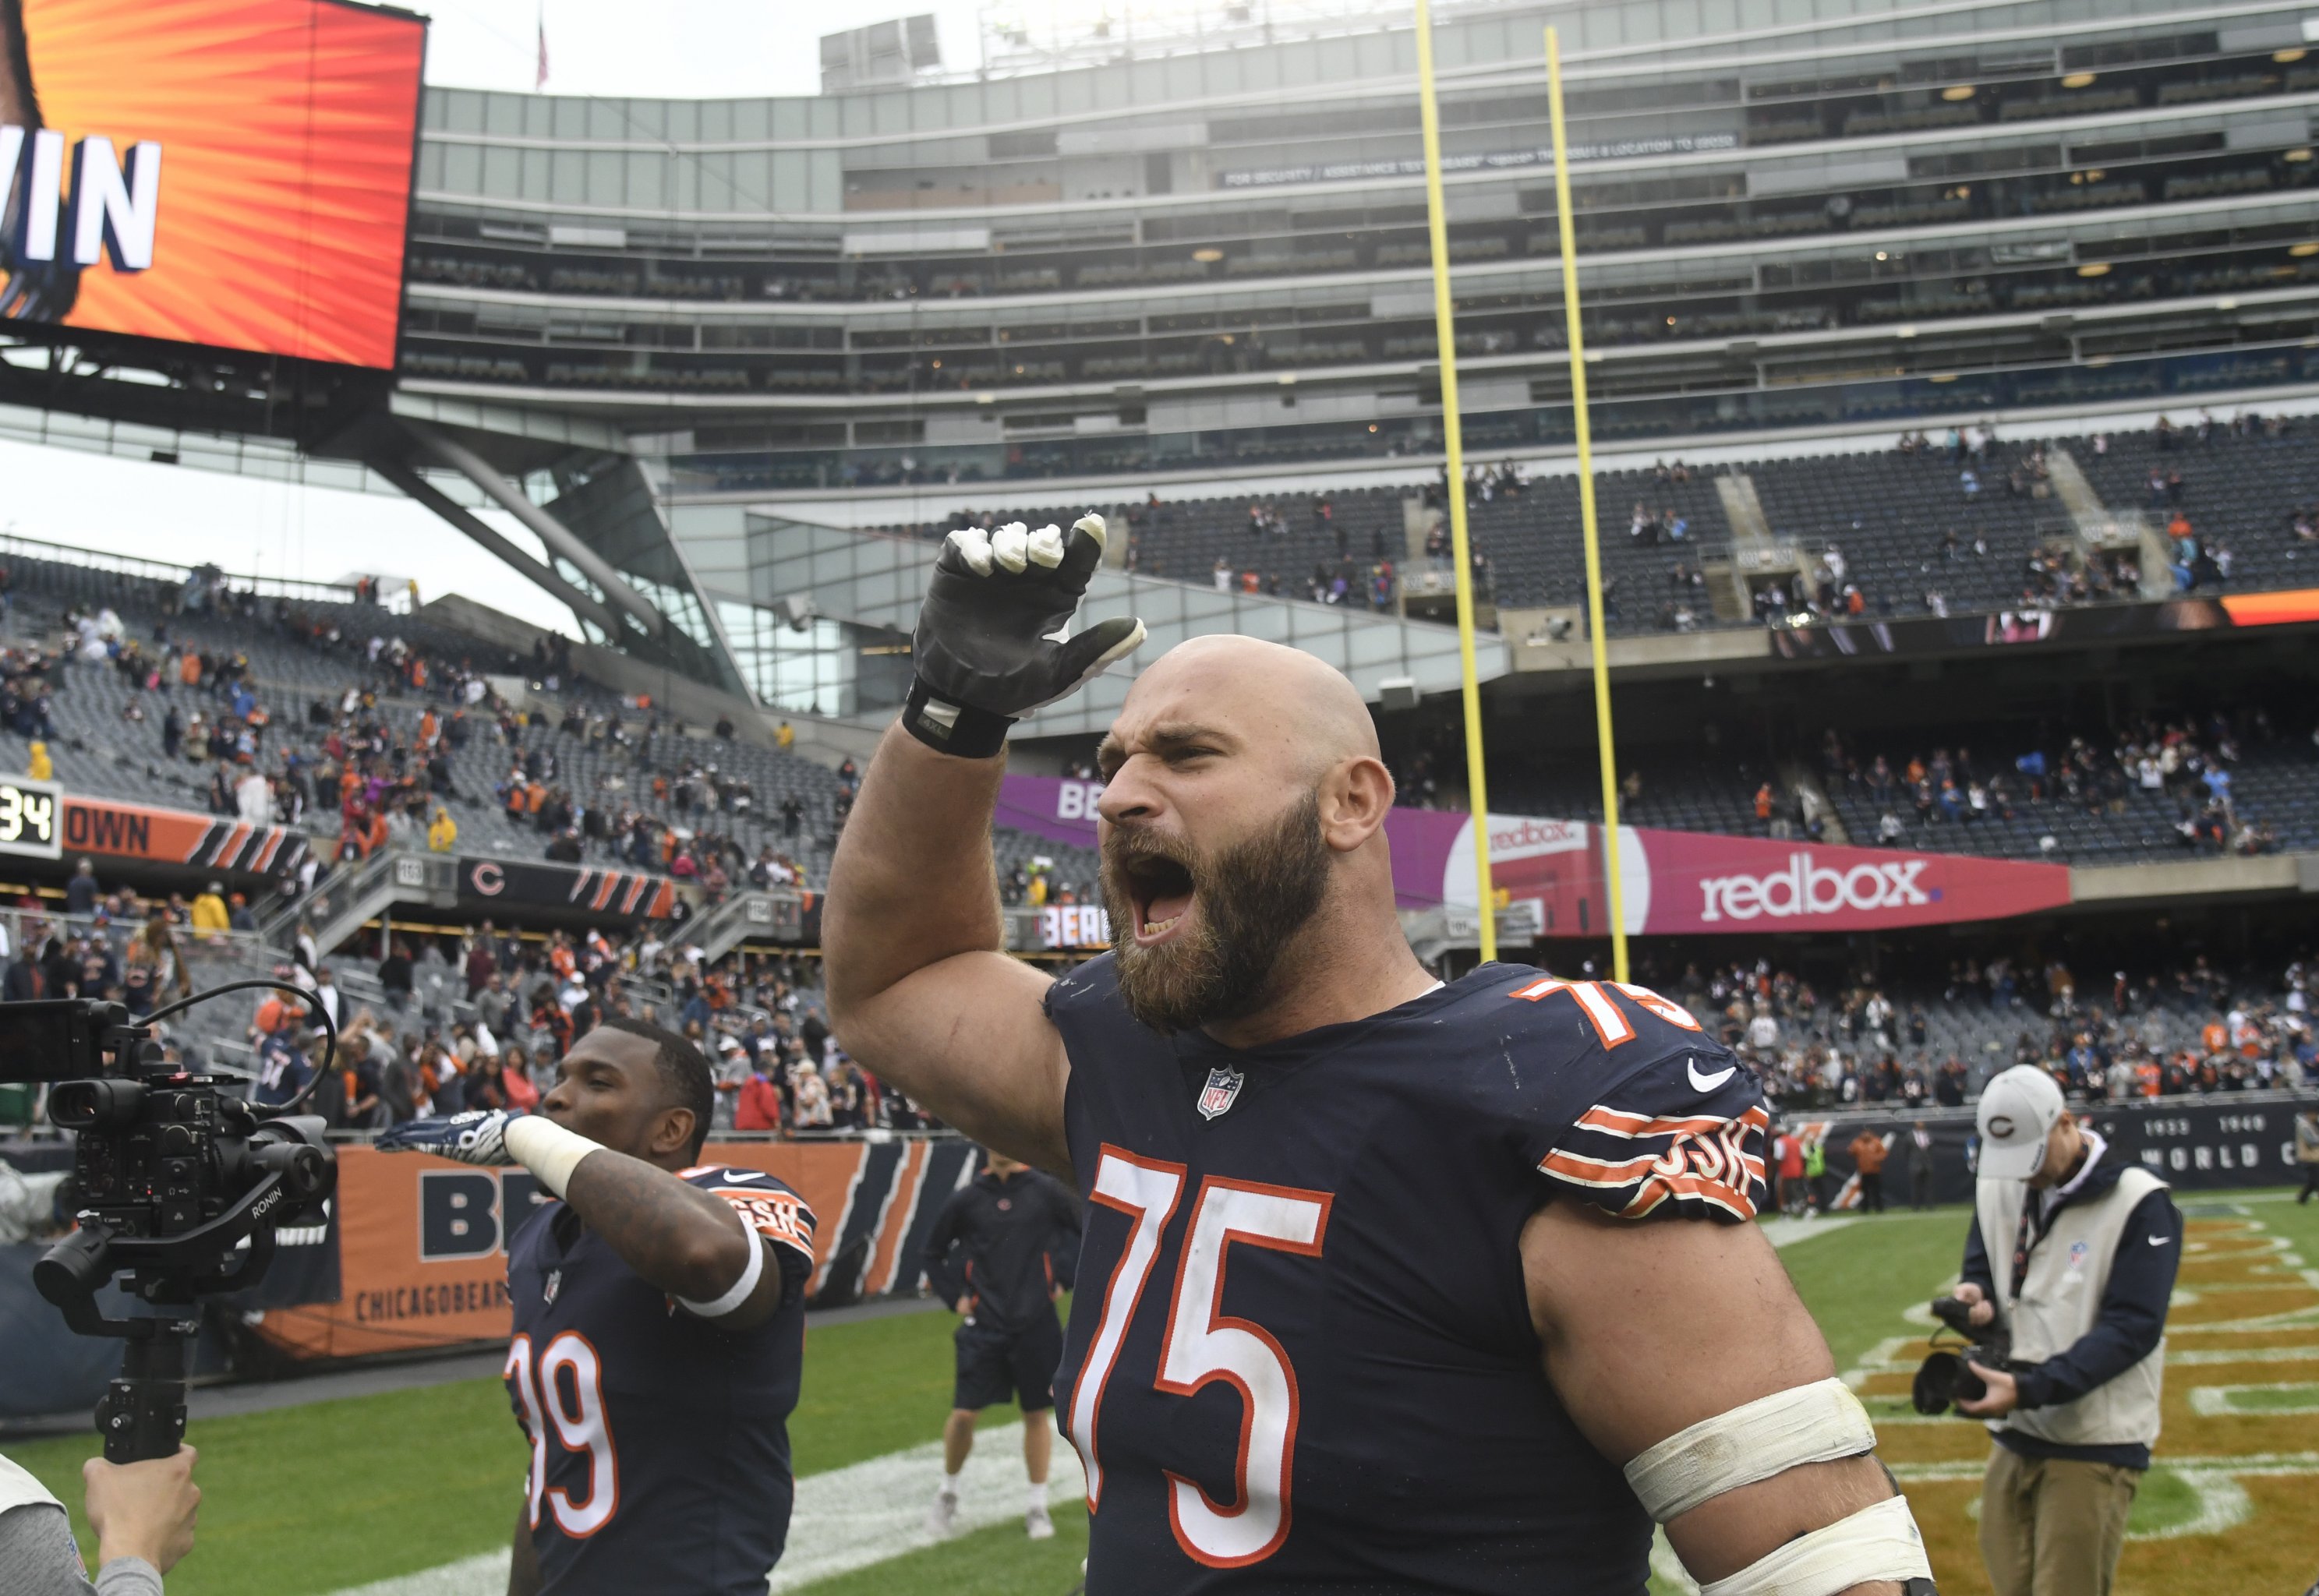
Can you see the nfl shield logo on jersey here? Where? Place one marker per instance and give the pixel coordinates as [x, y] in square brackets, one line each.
[1223, 1085]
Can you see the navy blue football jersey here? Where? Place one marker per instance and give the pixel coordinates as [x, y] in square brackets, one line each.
[1301, 1354]
[660, 1451]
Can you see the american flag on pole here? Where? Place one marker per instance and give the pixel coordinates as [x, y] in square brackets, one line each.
[541, 82]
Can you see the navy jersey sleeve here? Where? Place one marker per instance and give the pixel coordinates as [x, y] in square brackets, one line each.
[1625, 1103]
[771, 1209]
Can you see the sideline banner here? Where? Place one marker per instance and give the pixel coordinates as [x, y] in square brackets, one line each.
[2191, 1143]
[178, 836]
[1674, 882]
[484, 882]
[228, 173]
[421, 1255]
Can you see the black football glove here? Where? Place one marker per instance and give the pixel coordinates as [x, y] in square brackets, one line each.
[994, 637]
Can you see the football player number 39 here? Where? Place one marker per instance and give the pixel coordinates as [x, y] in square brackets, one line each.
[1201, 1345]
[565, 1393]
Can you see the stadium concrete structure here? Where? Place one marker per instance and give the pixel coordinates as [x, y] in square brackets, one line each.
[691, 345]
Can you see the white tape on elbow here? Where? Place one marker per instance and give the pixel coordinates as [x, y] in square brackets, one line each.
[1813, 1424]
[738, 1292]
[547, 1149]
[1876, 1543]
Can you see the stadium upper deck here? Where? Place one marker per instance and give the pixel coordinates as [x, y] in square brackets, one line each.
[1217, 255]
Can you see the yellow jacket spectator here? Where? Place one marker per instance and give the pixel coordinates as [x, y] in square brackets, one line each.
[41, 768]
[784, 737]
[209, 910]
[443, 835]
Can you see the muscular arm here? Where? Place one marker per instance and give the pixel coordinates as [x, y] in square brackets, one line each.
[919, 991]
[689, 1242]
[1631, 1372]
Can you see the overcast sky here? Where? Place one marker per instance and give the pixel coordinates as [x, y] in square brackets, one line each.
[699, 48]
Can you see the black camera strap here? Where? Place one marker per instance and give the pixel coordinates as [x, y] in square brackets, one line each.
[2025, 1239]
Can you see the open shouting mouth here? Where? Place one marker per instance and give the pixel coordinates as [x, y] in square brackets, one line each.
[1162, 891]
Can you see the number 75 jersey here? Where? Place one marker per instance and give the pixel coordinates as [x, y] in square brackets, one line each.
[1301, 1355]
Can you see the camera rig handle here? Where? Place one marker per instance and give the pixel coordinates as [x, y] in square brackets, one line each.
[142, 1413]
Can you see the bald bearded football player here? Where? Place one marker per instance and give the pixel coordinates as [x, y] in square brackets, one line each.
[1387, 1285]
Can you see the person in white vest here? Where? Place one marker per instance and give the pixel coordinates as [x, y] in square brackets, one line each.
[143, 1514]
[2074, 1251]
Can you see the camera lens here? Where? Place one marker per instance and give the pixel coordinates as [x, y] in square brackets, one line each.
[1937, 1382]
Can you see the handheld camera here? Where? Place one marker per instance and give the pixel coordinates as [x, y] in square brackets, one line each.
[179, 1185]
[1946, 1377]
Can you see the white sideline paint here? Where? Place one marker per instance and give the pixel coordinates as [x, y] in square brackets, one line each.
[844, 1520]
[1782, 1231]
[853, 1517]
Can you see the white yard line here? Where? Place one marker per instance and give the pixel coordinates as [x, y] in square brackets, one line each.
[1785, 1232]
[844, 1520]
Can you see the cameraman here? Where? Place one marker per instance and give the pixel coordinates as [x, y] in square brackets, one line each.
[143, 1514]
[2072, 1254]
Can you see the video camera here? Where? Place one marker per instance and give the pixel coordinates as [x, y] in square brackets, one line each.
[179, 1185]
[1946, 1377]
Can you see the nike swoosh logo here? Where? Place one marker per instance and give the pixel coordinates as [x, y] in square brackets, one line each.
[1708, 1083]
[2160, 1240]
[743, 1175]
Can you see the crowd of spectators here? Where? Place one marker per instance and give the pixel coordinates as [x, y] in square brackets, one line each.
[483, 1020]
[2182, 762]
[375, 763]
[2185, 1029]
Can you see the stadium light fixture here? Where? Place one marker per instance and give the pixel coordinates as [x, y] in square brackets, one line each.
[2302, 154]
[2093, 268]
[2078, 80]
[2303, 251]
[1942, 376]
[2289, 57]
[1207, 256]
[2226, 304]
[1959, 91]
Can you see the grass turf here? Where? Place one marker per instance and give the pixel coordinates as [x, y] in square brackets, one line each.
[409, 1480]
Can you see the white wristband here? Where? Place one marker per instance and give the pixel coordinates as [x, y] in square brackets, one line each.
[547, 1149]
[738, 1293]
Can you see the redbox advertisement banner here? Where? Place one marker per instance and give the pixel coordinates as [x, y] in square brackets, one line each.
[1673, 883]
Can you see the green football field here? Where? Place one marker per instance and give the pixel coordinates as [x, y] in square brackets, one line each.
[336, 1494]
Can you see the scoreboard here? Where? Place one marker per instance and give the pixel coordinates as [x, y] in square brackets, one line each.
[31, 818]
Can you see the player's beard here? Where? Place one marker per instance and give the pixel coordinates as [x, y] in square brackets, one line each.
[1251, 897]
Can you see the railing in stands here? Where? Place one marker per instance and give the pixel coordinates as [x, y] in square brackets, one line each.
[94, 562]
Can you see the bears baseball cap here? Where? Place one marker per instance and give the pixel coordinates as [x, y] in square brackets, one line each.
[2019, 1109]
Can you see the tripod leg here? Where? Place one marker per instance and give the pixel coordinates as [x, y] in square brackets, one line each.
[142, 1413]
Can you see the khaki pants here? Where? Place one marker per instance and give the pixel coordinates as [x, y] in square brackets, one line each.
[2051, 1526]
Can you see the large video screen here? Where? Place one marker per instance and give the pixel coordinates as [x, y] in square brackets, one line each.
[229, 173]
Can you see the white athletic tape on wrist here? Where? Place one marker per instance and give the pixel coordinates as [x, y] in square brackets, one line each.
[1876, 1543]
[547, 1149]
[1754, 1441]
[738, 1292]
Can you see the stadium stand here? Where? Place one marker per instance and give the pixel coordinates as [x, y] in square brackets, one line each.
[1960, 525]
[95, 670]
[2181, 1028]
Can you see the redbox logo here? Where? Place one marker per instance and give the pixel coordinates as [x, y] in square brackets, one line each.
[1806, 889]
